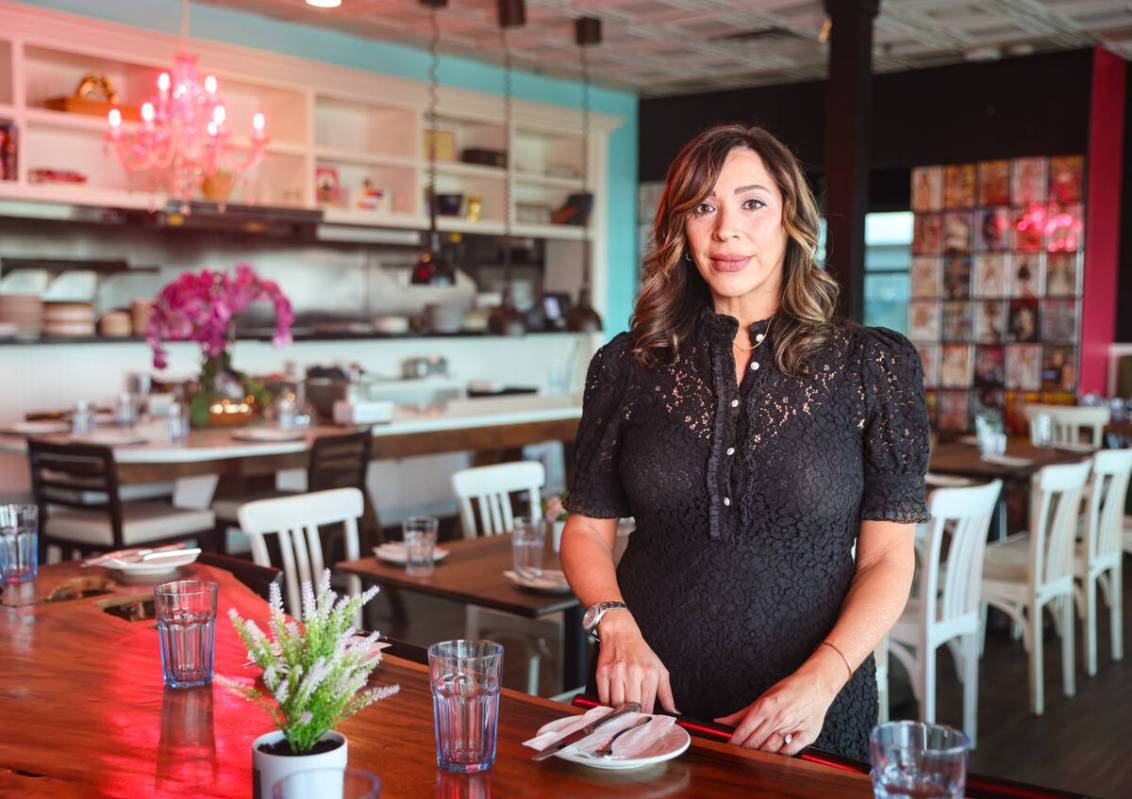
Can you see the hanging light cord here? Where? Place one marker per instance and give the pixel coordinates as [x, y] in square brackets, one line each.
[510, 159]
[433, 100]
[586, 254]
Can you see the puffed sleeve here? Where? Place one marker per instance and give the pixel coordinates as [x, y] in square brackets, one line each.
[597, 489]
[896, 431]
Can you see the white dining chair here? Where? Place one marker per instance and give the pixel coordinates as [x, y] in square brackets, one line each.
[1029, 571]
[1067, 421]
[945, 609]
[295, 521]
[491, 489]
[1097, 558]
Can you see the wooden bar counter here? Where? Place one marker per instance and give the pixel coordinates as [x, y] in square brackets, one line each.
[85, 715]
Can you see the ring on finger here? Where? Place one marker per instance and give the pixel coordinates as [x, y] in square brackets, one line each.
[787, 738]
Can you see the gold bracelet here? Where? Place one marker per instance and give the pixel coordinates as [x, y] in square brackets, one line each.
[844, 659]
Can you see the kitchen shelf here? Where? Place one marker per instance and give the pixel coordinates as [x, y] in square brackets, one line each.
[355, 157]
[79, 194]
[469, 170]
[11, 341]
[549, 180]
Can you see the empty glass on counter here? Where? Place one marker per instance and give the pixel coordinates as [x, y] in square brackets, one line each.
[286, 409]
[126, 410]
[464, 676]
[528, 541]
[19, 541]
[177, 422]
[989, 434]
[918, 759]
[186, 625]
[419, 534]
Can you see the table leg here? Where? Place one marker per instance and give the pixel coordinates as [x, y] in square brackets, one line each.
[195, 493]
[576, 646]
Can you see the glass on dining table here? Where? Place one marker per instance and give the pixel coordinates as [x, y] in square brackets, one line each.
[989, 434]
[419, 535]
[82, 418]
[126, 410]
[328, 783]
[465, 681]
[176, 422]
[19, 543]
[916, 759]
[528, 543]
[1041, 430]
[186, 627]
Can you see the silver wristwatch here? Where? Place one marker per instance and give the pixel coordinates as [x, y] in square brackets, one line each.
[594, 614]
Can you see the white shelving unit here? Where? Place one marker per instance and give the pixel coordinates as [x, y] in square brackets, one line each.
[368, 128]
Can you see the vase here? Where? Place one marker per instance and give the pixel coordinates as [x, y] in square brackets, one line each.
[224, 396]
[268, 769]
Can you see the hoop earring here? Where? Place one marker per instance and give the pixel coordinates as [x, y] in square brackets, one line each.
[688, 257]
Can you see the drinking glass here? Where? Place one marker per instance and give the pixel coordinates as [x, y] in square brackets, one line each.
[419, 534]
[126, 410]
[177, 422]
[285, 411]
[82, 418]
[918, 759]
[328, 783]
[19, 543]
[186, 625]
[465, 703]
[527, 543]
[1041, 430]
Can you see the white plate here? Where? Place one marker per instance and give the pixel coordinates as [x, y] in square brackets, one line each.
[552, 581]
[1068, 447]
[166, 563]
[268, 434]
[112, 438]
[37, 428]
[942, 480]
[672, 744]
[394, 552]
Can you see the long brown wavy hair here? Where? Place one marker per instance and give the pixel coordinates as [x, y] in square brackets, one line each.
[673, 292]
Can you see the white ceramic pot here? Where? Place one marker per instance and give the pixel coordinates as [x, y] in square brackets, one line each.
[268, 769]
[556, 535]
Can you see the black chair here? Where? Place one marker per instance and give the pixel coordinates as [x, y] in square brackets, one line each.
[76, 488]
[258, 578]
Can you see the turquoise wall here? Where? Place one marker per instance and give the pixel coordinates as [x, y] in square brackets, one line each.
[249, 30]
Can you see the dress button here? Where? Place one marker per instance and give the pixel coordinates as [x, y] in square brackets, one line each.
[731, 450]
[759, 338]
[754, 366]
[734, 403]
[727, 501]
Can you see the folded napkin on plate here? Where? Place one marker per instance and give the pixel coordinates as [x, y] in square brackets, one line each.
[631, 744]
[1007, 460]
[550, 578]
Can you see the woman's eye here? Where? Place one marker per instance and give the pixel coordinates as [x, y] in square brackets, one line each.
[701, 209]
[754, 204]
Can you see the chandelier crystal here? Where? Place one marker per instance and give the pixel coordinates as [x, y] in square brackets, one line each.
[184, 136]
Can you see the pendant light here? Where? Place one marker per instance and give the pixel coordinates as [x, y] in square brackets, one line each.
[432, 268]
[506, 319]
[582, 317]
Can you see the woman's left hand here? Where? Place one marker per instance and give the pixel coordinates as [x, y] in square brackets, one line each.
[794, 706]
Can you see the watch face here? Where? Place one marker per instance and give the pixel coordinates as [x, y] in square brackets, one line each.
[590, 618]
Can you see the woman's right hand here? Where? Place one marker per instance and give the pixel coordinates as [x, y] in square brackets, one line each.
[627, 668]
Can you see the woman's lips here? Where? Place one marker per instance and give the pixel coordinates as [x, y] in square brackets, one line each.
[729, 263]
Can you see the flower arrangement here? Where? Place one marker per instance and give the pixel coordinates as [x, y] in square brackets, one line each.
[315, 672]
[202, 307]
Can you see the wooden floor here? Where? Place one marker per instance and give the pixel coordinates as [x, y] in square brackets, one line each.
[1081, 744]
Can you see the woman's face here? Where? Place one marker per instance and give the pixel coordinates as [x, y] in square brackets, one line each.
[735, 236]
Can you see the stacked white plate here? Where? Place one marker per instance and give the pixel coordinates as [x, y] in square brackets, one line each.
[68, 319]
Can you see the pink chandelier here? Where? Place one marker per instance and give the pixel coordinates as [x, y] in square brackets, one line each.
[184, 138]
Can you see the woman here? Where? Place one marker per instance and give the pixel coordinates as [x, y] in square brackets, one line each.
[756, 442]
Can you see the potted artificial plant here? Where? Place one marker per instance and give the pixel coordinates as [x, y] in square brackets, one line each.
[314, 675]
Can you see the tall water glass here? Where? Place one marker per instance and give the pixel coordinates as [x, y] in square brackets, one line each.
[19, 543]
[419, 534]
[914, 759]
[126, 410]
[1041, 430]
[186, 624]
[465, 703]
[527, 543]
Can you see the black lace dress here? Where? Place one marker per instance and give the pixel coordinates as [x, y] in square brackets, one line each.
[748, 501]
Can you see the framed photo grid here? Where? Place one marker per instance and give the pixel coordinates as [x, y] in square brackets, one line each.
[995, 279]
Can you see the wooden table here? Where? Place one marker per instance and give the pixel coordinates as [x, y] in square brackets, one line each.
[963, 459]
[196, 464]
[88, 716]
[473, 574]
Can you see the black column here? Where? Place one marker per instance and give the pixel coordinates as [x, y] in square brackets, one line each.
[847, 143]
